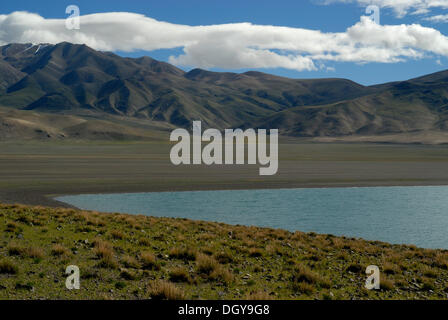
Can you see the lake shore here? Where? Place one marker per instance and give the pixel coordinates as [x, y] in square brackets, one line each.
[35, 172]
[39, 198]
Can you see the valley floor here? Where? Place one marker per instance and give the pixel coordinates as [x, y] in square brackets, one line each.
[33, 172]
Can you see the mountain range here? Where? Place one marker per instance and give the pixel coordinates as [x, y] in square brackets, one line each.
[72, 91]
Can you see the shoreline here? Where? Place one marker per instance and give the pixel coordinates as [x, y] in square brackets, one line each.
[36, 173]
[157, 209]
[48, 199]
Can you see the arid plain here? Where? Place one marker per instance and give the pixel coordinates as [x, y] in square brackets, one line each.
[33, 172]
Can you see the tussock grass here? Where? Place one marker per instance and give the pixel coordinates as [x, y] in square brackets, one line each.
[304, 275]
[255, 252]
[163, 290]
[149, 261]
[259, 295]
[221, 274]
[180, 275]
[14, 249]
[117, 234]
[224, 257]
[386, 284]
[135, 257]
[186, 254]
[145, 242]
[130, 262]
[8, 267]
[206, 264]
[102, 248]
[59, 250]
[104, 251]
[35, 253]
[128, 275]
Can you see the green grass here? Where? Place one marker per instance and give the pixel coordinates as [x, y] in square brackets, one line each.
[137, 257]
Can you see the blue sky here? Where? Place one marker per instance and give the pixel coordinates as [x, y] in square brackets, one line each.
[306, 14]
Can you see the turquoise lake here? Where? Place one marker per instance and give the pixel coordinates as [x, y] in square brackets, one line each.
[403, 215]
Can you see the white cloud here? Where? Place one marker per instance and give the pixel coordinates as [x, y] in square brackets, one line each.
[441, 18]
[232, 46]
[401, 7]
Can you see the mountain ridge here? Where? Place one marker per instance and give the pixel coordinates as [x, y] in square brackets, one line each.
[70, 79]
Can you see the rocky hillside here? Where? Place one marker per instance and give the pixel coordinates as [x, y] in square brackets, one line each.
[77, 81]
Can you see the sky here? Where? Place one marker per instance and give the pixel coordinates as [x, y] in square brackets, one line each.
[293, 38]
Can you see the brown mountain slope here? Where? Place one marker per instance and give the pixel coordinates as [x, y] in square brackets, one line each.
[75, 80]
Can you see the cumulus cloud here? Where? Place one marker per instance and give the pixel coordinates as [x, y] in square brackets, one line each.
[401, 7]
[232, 46]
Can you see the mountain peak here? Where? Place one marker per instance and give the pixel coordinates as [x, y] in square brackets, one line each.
[198, 73]
[159, 66]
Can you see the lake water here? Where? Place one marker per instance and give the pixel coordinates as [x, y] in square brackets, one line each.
[411, 215]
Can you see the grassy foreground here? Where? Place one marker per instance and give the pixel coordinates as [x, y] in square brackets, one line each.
[137, 257]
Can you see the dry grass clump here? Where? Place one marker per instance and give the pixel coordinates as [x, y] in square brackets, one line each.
[441, 261]
[205, 264]
[145, 242]
[35, 253]
[102, 248]
[185, 254]
[130, 262]
[390, 268]
[355, 268]
[108, 262]
[206, 237]
[23, 219]
[274, 249]
[117, 234]
[258, 295]
[128, 275]
[15, 249]
[222, 275]
[104, 251]
[427, 284]
[12, 227]
[392, 256]
[59, 250]
[305, 288]
[133, 222]
[429, 272]
[164, 290]
[149, 261]
[255, 252]
[224, 257]
[303, 274]
[249, 241]
[209, 267]
[180, 275]
[386, 284]
[92, 220]
[8, 267]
